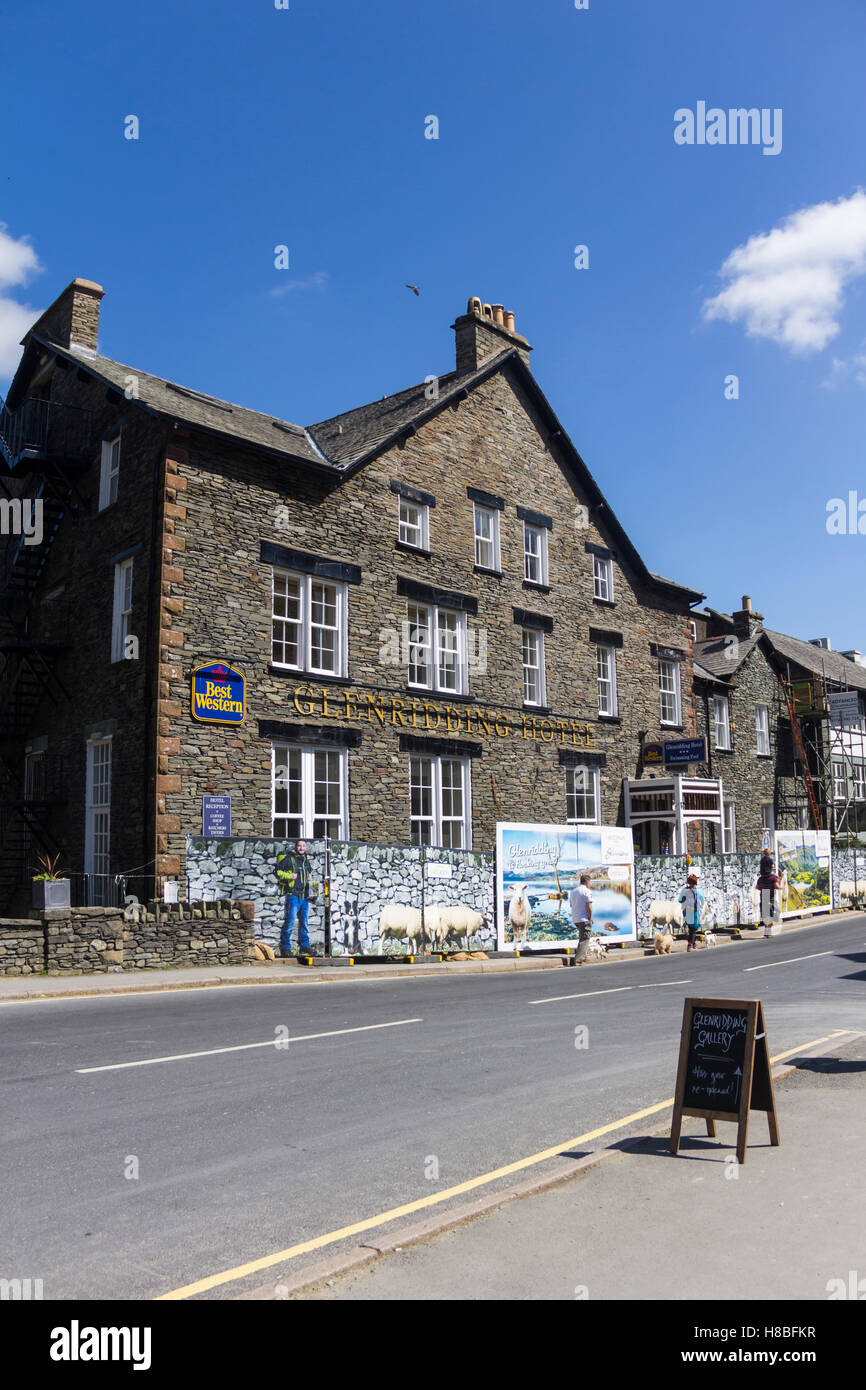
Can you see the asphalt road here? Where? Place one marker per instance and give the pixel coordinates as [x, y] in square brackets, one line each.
[242, 1153]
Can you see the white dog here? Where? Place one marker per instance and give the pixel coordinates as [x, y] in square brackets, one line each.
[597, 949]
[710, 939]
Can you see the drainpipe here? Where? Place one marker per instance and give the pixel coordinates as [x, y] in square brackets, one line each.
[151, 689]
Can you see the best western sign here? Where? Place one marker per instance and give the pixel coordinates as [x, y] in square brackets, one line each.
[218, 695]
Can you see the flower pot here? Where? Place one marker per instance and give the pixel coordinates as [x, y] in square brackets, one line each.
[51, 892]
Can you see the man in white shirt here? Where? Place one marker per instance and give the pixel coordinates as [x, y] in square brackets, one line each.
[580, 901]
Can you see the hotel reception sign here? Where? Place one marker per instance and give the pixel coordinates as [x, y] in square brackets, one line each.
[218, 695]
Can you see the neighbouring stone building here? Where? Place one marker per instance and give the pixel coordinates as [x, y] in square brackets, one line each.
[440, 621]
[742, 671]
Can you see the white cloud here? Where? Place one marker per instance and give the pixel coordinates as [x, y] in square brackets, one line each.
[18, 261]
[787, 284]
[317, 281]
[842, 369]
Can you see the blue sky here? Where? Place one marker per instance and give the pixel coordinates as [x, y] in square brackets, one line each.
[305, 127]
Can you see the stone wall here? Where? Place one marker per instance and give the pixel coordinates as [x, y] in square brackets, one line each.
[849, 866]
[725, 879]
[366, 877]
[234, 501]
[22, 947]
[246, 868]
[362, 879]
[96, 940]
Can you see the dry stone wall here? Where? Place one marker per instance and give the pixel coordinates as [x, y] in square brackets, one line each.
[97, 940]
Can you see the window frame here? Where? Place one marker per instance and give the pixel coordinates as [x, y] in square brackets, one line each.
[530, 529]
[535, 636]
[858, 781]
[97, 820]
[434, 763]
[593, 779]
[762, 730]
[674, 667]
[305, 623]
[308, 782]
[121, 616]
[602, 578]
[435, 649]
[109, 471]
[839, 781]
[493, 540]
[724, 725]
[729, 827]
[610, 679]
[423, 525]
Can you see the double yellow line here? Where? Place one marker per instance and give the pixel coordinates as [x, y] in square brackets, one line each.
[307, 1247]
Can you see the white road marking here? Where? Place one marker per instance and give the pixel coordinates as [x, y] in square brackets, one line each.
[557, 999]
[663, 984]
[247, 1047]
[770, 963]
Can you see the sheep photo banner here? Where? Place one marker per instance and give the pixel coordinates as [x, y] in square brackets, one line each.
[537, 867]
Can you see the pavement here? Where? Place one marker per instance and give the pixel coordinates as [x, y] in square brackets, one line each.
[640, 1224]
[289, 972]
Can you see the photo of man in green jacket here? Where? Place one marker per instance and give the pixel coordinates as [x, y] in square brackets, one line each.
[293, 876]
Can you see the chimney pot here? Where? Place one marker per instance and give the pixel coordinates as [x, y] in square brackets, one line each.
[747, 603]
[499, 315]
[509, 321]
[474, 305]
[487, 311]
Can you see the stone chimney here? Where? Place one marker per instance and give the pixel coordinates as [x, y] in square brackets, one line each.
[746, 620]
[73, 318]
[483, 330]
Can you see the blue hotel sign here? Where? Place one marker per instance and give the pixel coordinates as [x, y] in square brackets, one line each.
[216, 817]
[686, 750]
[218, 695]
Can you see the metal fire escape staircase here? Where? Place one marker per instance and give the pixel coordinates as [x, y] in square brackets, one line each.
[42, 444]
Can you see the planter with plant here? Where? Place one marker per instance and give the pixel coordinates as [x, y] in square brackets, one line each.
[50, 889]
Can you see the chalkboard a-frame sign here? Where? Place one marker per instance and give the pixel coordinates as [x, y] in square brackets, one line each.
[724, 1068]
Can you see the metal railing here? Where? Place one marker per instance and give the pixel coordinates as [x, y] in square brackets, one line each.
[108, 890]
[40, 429]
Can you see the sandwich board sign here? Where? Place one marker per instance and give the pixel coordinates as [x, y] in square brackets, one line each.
[724, 1068]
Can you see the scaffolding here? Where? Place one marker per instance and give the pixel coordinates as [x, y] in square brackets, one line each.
[821, 765]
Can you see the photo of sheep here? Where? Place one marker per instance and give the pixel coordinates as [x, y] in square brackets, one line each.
[379, 892]
[537, 867]
[803, 863]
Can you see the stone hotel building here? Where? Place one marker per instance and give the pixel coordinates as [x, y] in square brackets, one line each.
[440, 622]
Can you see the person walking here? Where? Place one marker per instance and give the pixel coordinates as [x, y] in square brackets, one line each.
[693, 903]
[293, 876]
[768, 886]
[580, 902]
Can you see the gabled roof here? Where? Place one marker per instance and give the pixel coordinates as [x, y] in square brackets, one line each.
[818, 660]
[371, 430]
[195, 408]
[717, 655]
[344, 443]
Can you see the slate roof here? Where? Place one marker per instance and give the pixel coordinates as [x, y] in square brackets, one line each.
[343, 443]
[818, 660]
[198, 409]
[348, 438]
[715, 653]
